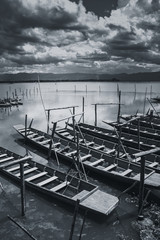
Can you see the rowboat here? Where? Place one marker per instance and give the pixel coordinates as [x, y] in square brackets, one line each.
[111, 135]
[147, 121]
[155, 100]
[103, 165]
[5, 105]
[56, 184]
[109, 148]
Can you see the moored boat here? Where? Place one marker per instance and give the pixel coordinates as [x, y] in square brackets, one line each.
[102, 164]
[56, 184]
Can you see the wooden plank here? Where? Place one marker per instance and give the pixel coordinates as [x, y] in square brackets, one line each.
[89, 143]
[126, 172]
[70, 153]
[3, 155]
[101, 202]
[27, 171]
[144, 153]
[45, 141]
[20, 160]
[16, 168]
[85, 157]
[49, 180]
[41, 174]
[110, 167]
[60, 186]
[38, 138]
[6, 159]
[96, 162]
[56, 145]
[154, 164]
[111, 151]
[99, 147]
[83, 194]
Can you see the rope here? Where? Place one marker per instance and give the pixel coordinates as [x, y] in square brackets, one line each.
[41, 97]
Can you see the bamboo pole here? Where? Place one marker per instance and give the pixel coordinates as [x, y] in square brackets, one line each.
[51, 142]
[95, 115]
[22, 188]
[141, 188]
[21, 227]
[83, 109]
[48, 119]
[25, 127]
[74, 219]
[84, 218]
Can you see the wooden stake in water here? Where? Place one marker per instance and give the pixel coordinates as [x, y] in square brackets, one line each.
[25, 126]
[74, 219]
[95, 115]
[141, 188]
[22, 188]
[144, 101]
[83, 109]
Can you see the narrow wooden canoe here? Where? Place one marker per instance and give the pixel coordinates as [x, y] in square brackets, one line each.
[104, 165]
[56, 184]
[109, 148]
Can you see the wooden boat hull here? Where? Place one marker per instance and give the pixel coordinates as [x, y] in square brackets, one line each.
[41, 178]
[96, 162]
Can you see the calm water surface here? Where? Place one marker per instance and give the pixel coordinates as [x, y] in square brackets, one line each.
[45, 218]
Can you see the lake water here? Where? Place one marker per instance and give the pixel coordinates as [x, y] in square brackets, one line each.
[46, 219]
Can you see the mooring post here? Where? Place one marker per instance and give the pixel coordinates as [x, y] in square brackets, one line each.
[73, 119]
[74, 219]
[84, 218]
[138, 133]
[48, 119]
[78, 160]
[22, 189]
[51, 142]
[25, 126]
[83, 109]
[141, 188]
[119, 107]
[119, 141]
[95, 115]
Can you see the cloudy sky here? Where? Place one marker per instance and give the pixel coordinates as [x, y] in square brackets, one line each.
[89, 36]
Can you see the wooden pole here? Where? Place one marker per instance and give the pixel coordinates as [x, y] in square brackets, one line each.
[73, 119]
[51, 142]
[78, 160]
[95, 115]
[119, 107]
[22, 188]
[119, 141]
[141, 188]
[138, 133]
[21, 227]
[84, 218]
[25, 126]
[48, 119]
[83, 109]
[74, 219]
[144, 102]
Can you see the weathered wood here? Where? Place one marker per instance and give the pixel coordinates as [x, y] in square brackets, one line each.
[141, 187]
[41, 174]
[24, 159]
[22, 188]
[27, 171]
[144, 153]
[49, 180]
[60, 186]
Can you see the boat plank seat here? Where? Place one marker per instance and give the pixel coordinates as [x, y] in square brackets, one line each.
[38, 138]
[3, 155]
[85, 157]
[126, 172]
[6, 159]
[23, 130]
[89, 143]
[56, 145]
[60, 186]
[27, 171]
[96, 162]
[111, 151]
[100, 147]
[65, 134]
[137, 176]
[45, 141]
[16, 168]
[48, 180]
[154, 164]
[110, 167]
[70, 153]
[32, 135]
[81, 195]
[41, 174]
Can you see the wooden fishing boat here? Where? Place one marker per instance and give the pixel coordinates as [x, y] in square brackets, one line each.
[145, 121]
[5, 105]
[109, 148]
[111, 135]
[102, 164]
[155, 100]
[57, 184]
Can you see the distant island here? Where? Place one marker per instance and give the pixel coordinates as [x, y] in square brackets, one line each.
[50, 77]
